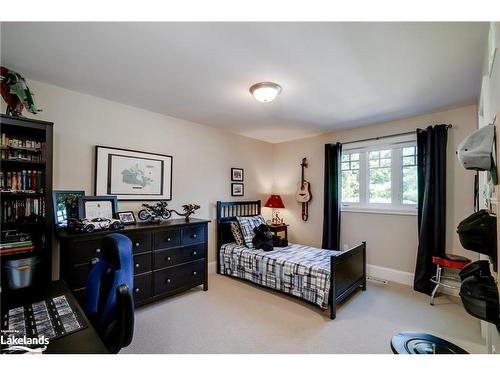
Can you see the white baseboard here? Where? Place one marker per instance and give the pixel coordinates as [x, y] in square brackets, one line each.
[212, 267]
[390, 274]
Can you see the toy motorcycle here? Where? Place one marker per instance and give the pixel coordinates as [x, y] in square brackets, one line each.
[155, 213]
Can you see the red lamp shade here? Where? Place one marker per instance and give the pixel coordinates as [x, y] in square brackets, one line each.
[274, 201]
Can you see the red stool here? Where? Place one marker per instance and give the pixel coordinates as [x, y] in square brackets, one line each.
[446, 261]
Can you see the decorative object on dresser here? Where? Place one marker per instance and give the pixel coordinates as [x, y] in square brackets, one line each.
[189, 209]
[90, 207]
[237, 174]
[26, 194]
[274, 202]
[16, 93]
[126, 217]
[168, 258]
[66, 206]
[154, 213]
[96, 223]
[133, 175]
[304, 191]
[237, 190]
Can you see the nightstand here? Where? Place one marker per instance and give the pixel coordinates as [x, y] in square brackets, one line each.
[279, 228]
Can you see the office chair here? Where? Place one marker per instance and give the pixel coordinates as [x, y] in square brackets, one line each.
[109, 304]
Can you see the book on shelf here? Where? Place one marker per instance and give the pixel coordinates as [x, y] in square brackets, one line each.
[22, 149]
[16, 250]
[13, 245]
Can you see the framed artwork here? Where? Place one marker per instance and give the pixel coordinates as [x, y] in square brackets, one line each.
[65, 204]
[90, 207]
[237, 174]
[133, 175]
[126, 217]
[237, 190]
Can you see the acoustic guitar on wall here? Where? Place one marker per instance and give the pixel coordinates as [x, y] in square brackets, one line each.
[303, 194]
[303, 188]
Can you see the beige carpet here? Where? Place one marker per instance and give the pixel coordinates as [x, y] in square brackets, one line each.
[234, 316]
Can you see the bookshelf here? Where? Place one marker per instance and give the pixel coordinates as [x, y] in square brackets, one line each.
[26, 191]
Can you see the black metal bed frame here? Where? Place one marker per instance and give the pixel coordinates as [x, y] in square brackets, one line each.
[347, 269]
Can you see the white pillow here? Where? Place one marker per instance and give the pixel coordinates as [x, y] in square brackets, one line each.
[247, 223]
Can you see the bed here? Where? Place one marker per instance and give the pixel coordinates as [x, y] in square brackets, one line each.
[319, 276]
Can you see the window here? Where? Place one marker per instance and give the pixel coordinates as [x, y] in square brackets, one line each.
[350, 177]
[378, 176]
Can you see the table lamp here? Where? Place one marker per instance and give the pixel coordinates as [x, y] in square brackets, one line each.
[274, 202]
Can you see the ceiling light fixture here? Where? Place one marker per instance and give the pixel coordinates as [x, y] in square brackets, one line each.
[265, 91]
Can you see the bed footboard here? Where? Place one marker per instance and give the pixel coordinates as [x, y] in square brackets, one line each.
[347, 273]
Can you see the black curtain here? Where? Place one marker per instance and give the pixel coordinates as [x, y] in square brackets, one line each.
[331, 211]
[431, 171]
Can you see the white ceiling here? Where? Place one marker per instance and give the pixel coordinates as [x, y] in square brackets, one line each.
[334, 75]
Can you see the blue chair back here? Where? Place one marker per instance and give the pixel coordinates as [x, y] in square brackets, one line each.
[109, 303]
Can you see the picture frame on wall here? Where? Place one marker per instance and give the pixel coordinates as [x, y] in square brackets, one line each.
[90, 207]
[237, 189]
[237, 174]
[133, 175]
[126, 217]
[65, 204]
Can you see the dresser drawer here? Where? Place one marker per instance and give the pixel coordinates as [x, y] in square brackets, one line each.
[77, 277]
[191, 235]
[167, 239]
[172, 278]
[171, 257]
[142, 263]
[80, 252]
[142, 287]
[141, 242]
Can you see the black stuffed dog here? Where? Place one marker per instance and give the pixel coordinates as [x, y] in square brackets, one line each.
[263, 238]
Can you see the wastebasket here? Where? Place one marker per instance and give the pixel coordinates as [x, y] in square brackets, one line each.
[21, 272]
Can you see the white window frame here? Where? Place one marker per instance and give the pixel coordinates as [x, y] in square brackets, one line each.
[396, 144]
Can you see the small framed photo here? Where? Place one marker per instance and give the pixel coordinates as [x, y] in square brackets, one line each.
[237, 190]
[90, 207]
[65, 206]
[126, 217]
[237, 174]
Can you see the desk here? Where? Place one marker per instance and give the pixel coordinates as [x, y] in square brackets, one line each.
[85, 341]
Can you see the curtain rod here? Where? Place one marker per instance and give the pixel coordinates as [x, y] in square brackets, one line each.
[387, 136]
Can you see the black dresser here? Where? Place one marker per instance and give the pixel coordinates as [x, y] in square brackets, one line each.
[169, 258]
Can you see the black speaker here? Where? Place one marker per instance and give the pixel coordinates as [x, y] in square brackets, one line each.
[479, 295]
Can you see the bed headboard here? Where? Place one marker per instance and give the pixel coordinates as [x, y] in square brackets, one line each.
[227, 212]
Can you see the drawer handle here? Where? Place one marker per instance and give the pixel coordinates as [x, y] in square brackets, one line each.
[97, 251]
[194, 273]
[137, 290]
[168, 258]
[137, 265]
[137, 244]
[168, 280]
[169, 239]
[195, 235]
[194, 253]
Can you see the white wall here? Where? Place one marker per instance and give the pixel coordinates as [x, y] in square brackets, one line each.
[202, 155]
[391, 239]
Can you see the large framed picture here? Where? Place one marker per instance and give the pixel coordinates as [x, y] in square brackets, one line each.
[90, 207]
[65, 206]
[133, 175]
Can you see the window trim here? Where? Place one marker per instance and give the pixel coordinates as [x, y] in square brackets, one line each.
[396, 144]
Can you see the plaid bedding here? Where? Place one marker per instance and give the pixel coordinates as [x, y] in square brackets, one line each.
[299, 270]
